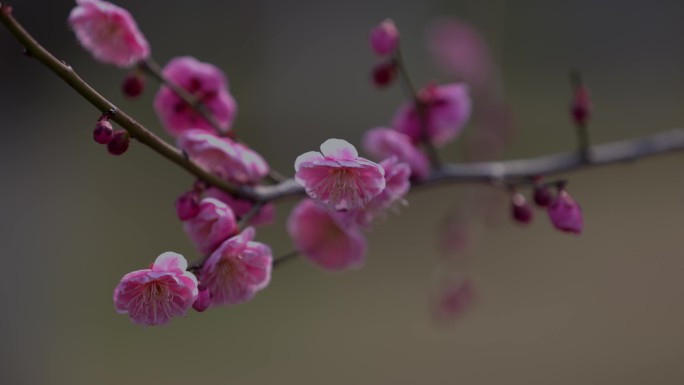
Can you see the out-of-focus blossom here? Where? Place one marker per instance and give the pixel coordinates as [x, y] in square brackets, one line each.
[384, 74]
[242, 206]
[133, 85]
[542, 195]
[581, 107]
[565, 213]
[152, 296]
[224, 157]
[326, 238]
[455, 298]
[213, 224]
[446, 108]
[383, 143]
[397, 185]
[384, 38]
[109, 33]
[521, 211]
[205, 82]
[237, 270]
[338, 177]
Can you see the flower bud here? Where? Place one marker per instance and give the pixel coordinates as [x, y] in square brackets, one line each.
[133, 85]
[384, 38]
[187, 205]
[520, 209]
[581, 106]
[103, 132]
[119, 143]
[203, 299]
[384, 74]
[566, 214]
[542, 195]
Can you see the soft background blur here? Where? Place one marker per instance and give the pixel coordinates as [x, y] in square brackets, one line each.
[603, 308]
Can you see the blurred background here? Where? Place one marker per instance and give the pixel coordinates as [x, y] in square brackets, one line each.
[602, 308]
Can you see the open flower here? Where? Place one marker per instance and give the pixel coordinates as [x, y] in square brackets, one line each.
[237, 270]
[213, 224]
[224, 157]
[242, 206]
[326, 238]
[152, 296]
[205, 82]
[338, 177]
[447, 109]
[383, 143]
[109, 33]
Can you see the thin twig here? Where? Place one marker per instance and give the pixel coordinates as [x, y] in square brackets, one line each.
[284, 258]
[430, 149]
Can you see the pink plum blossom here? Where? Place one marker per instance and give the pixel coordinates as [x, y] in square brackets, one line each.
[457, 296]
[338, 177]
[109, 33]
[205, 82]
[152, 296]
[397, 185]
[242, 206]
[237, 270]
[383, 143]
[384, 38]
[447, 110]
[203, 300]
[566, 214]
[223, 156]
[213, 224]
[326, 238]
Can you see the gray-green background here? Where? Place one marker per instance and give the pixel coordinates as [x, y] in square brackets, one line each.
[603, 308]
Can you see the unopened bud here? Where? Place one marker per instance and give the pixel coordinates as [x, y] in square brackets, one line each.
[133, 85]
[566, 214]
[384, 38]
[203, 299]
[119, 143]
[187, 205]
[520, 209]
[542, 195]
[384, 74]
[103, 131]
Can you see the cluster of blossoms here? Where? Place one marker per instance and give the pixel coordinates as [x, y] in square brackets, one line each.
[565, 214]
[346, 192]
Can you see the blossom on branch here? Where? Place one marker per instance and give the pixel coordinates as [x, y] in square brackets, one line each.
[445, 110]
[109, 33]
[231, 160]
[383, 143]
[329, 239]
[241, 207]
[213, 224]
[338, 177]
[207, 84]
[565, 213]
[397, 185]
[152, 296]
[237, 270]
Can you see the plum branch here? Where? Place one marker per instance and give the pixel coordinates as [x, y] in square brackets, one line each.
[493, 173]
